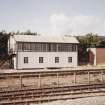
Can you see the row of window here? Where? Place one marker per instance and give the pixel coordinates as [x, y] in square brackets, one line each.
[46, 47]
[41, 59]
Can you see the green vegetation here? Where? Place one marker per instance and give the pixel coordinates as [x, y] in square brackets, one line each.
[3, 43]
[87, 41]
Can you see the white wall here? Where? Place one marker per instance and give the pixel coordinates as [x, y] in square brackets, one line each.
[14, 62]
[11, 44]
[49, 59]
[93, 50]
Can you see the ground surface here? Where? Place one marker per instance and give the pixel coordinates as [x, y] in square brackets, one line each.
[52, 80]
[99, 100]
[63, 80]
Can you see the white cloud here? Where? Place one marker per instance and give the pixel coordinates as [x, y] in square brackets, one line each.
[61, 24]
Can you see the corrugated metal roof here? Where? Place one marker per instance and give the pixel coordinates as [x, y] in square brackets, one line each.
[32, 38]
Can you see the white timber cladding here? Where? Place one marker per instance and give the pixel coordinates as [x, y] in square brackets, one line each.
[48, 59]
[11, 44]
[14, 61]
[29, 49]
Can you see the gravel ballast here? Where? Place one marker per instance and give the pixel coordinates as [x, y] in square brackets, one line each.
[99, 100]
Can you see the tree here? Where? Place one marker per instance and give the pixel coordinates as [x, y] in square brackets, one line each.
[102, 43]
[86, 41]
[3, 43]
[28, 32]
[90, 40]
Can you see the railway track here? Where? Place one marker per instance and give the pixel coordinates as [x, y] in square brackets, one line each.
[26, 95]
[32, 95]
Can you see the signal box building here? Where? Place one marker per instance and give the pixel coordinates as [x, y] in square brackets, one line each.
[42, 52]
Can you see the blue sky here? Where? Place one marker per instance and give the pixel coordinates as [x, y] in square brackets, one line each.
[53, 17]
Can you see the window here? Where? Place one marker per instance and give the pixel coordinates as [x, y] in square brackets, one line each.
[69, 59]
[25, 59]
[64, 47]
[46, 47]
[56, 59]
[40, 59]
[20, 46]
[74, 47]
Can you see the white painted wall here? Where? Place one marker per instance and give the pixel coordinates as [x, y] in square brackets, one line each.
[11, 44]
[94, 52]
[49, 59]
[14, 62]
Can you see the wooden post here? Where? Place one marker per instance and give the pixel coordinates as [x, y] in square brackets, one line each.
[74, 77]
[57, 79]
[27, 103]
[21, 81]
[88, 77]
[102, 76]
[13, 103]
[39, 81]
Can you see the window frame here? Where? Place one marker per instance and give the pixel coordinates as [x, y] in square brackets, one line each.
[56, 59]
[25, 60]
[46, 47]
[70, 60]
[41, 59]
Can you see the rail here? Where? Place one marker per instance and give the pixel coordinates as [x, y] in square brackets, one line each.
[28, 96]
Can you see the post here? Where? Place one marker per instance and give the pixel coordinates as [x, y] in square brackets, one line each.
[88, 77]
[102, 76]
[39, 81]
[74, 77]
[57, 79]
[21, 81]
[35, 81]
[27, 103]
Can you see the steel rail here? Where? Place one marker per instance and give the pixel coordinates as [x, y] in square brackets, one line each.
[38, 94]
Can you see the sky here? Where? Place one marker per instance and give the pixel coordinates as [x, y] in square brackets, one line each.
[53, 17]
